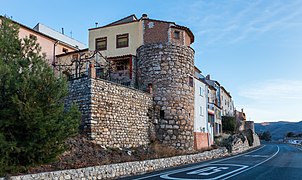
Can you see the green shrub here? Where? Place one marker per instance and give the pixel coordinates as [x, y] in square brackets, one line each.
[33, 121]
[228, 124]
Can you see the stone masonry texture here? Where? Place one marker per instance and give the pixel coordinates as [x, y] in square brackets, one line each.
[169, 70]
[124, 169]
[113, 171]
[113, 115]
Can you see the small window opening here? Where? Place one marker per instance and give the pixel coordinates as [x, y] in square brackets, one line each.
[176, 34]
[162, 114]
[191, 81]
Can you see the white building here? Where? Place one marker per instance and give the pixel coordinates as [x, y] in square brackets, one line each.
[203, 131]
[227, 104]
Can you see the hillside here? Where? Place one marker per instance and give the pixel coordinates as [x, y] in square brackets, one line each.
[279, 129]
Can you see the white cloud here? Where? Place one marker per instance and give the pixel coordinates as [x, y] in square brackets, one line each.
[233, 22]
[272, 100]
[273, 90]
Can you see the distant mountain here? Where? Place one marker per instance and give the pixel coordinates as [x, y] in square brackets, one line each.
[279, 129]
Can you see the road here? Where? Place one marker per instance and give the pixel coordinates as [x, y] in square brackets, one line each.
[271, 161]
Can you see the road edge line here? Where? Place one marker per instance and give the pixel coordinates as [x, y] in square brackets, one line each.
[256, 165]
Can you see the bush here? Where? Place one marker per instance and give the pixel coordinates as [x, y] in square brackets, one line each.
[228, 124]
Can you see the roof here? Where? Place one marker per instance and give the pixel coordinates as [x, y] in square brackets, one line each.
[228, 93]
[125, 20]
[132, 18]
[196, 69]
[72, 52]
[57, 35]
[120, 57]
[40, 33]
[187, 30]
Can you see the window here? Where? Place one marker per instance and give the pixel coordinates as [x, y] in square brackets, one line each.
[101, 44]
[121, 65]
[64, 50]
[176, 34]
[201, 111]
[191, 81]
[201, 91]
[122, 40]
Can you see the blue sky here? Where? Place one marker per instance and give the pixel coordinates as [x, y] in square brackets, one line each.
[253, 48]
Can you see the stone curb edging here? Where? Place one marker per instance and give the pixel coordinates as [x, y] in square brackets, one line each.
[124, 169]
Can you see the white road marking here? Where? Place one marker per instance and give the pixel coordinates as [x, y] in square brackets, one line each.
[201, 170]
[256, 156]
[207, 171]
[166, 176]
[197, 166]
[254, 165]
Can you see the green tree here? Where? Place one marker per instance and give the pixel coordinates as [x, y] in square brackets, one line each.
[228, 124]
[290, 134]
[266, 135]
[33, 121]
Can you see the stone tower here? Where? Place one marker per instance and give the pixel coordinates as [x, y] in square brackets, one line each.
[168, 69]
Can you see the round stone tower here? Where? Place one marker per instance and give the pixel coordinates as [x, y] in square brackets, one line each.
[169, 69]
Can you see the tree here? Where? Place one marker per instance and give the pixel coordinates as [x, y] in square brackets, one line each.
[290, 134]
[266, 135]
[33, 121]
[228, 124]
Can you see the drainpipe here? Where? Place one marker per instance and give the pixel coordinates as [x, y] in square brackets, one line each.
[207, 115]
[54, 55]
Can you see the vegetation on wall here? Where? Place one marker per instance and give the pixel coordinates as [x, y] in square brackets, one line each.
[33, 121]
[228, 124]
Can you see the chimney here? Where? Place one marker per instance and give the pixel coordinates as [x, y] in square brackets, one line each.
[242, 110]
[208, 77]
[144, 16]
[62, 30]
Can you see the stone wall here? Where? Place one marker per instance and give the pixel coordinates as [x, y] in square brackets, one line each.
[249, 125]
[80, 94]
[124, 169]
[121, 117]
[256, 140]
[113, 115]
[240, 143]
[169, 69]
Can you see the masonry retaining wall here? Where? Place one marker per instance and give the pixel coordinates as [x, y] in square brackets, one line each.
[129, 168]
[124, 169]
[113, 115]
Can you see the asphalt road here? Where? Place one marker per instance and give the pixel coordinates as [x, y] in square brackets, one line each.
[272, 161]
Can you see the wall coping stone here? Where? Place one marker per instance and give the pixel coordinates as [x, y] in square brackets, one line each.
[114, 83]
